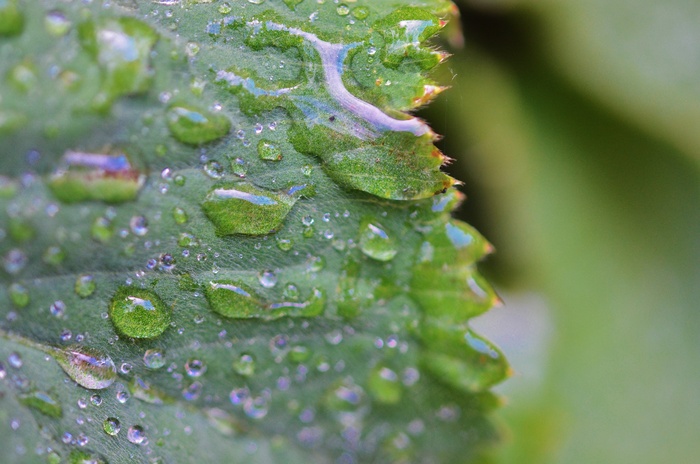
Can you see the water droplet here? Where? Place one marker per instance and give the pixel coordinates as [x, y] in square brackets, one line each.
[154, 359]
[42, 402]
[384, 386]
[112, 426]
[136, 435]
[56, 23]
[245, 209]
[102, 229]
[15, 360]
[139, 225]
[360, 12]
[299, 354]
[343, 9]
[138, 313]
[123, 396]
[57, 308]
[195, 367]
[267, 279]
[245, 365]
[179, 215]
[85, 285]
[233, 299]
[96, 399]
[87, 367]
[214, 169]
[255, 408]
[54, 255]
[122, 48]
[375, 242]
[193, 391]
[284, 244]
[195, 126]
[14, 261]
[268, 151]
[19, 295]
[11, 18]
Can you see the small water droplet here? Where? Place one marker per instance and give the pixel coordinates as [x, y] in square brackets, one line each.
[154, 359]
[342, 9]
[267, 279]
[194, 126]
[85, 285]
[15, 360]
[19, 295]
[268, 151]
[195, 367]
[179, 215]
[136, 435]
[112, 426]
[245, 365]
[139, 225]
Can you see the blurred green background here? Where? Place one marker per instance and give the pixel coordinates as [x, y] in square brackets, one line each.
[575, 128]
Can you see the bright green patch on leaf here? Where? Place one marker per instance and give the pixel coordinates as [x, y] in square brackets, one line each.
[42, 402]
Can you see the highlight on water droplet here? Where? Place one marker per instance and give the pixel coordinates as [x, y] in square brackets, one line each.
[195, 126]
[87, 367]
[376, 242]
[242, 208]
[106, 177]
[138, 313]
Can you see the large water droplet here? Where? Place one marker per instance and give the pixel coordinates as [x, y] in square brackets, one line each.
[96, 176]
[234, 299]
[87, 367]
[195, 126]
[138, 313]
[376, 242]
[241, 208]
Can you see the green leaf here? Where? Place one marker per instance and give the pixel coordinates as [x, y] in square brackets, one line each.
[173, 292]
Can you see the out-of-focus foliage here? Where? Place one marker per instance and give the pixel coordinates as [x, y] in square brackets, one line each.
[574, 125]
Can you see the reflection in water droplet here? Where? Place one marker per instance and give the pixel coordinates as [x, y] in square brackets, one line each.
[268, 151]
[245, 365]
[139, 225]
[267, 279]
[87, 367]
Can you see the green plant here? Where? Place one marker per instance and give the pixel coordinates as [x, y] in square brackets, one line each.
[225, 246]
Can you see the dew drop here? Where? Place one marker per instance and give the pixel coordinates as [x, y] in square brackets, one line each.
[19, 295]
[15, 360]
[268, 151]
[112, 426]
[85, 285]
[195, 368]
[233, 299]
[42, 402]
[195, 126]
[154, 359]
[139, 225]
[214, 169]
[138, 313]
[342, 9]
[11, 18]
[267, 279]
[136, 435]
[87, 367]
[245, 365]
[179, 215]
[375, 242]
